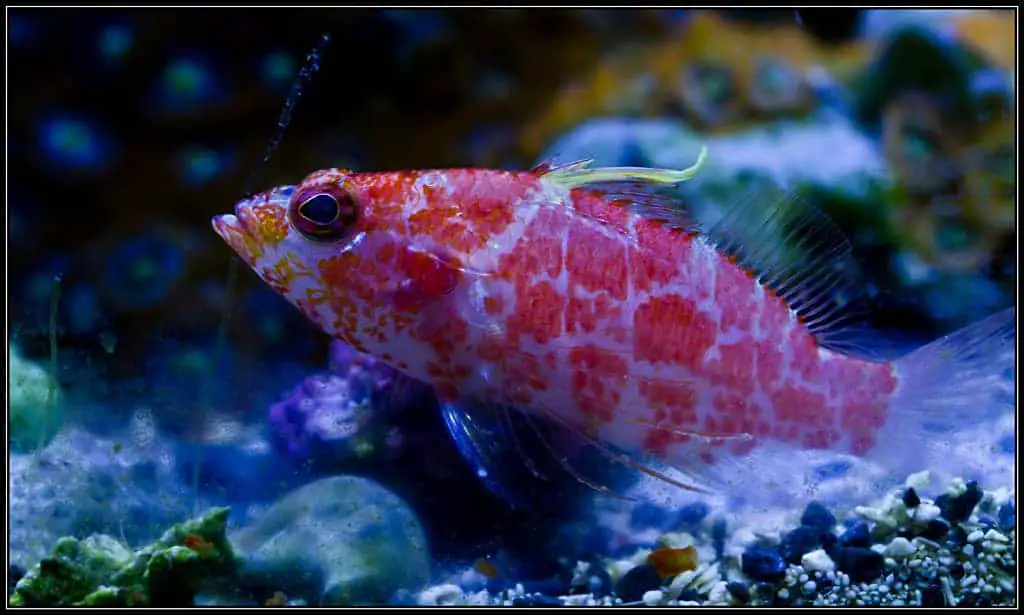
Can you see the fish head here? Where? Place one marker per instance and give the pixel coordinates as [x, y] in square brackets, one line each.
[337, 246]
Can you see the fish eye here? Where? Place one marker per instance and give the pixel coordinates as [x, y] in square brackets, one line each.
[322, 215]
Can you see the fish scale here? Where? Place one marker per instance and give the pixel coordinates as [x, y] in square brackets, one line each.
[606, 310]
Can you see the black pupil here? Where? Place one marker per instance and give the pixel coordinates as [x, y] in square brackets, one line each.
[321, 209]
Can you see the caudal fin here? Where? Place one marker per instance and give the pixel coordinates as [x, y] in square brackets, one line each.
[954, 389]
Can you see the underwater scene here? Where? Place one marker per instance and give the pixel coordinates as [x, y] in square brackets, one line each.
[511, 307]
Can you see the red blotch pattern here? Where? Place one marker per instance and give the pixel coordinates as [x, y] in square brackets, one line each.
[597, 380]
[672, 329]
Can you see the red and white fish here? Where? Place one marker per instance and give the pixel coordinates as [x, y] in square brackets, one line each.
[593, 298]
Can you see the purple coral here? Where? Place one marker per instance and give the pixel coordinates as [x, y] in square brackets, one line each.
[326, 410]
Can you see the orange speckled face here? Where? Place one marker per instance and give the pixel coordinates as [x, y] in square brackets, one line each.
[325, 247]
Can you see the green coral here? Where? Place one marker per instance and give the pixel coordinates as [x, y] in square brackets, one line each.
[100, 571]
[34, 407]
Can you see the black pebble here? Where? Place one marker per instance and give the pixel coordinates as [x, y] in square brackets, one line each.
[1007, 516]
[957, 571]
[969, 600]
[638, 581]
[860, 564]
[647, 515]
[599, 583]
[828, 541]
[766, 593]
[911, 499]
[936, 529]
[739, 591]
[932, 596]
[960, 508]
[537, 600]
[795, 544]
[763, 565]
[816, 515]
[957, 536]
[689, 595]
[857, 535]
[719, 528]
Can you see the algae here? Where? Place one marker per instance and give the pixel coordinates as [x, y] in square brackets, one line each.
[101, 571]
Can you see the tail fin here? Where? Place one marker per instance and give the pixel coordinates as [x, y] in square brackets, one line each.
[955, 394]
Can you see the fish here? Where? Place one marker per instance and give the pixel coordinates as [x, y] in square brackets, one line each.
[693, 345]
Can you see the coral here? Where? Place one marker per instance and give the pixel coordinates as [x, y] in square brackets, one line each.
[715, 73]
[34, 404]
[327, 415]
[336, 541]
[101, 571]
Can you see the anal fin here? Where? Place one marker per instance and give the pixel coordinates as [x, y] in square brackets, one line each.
[518, 458]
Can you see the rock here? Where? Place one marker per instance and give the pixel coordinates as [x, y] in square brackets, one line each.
[1007, 516]
[691, 514]
[82, 484]
[857, 535]
[447, 594]
[763, 565]
[910, 498]
[34, 406]
[817, 516]
[100, 571]
[537, 600]
[926, 512]
[932, 596]
[817, 561]
[860, 564]
[337, 541]
[956, 509]
[648, 515]
[899, 548]
[936, 529]
[919, 480]
[798, 542]
[653, 597]
[638, 581]
[740, 591]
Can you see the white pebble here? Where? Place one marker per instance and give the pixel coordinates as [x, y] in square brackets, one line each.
[995, 536]
[783, 593]
[975, 536]
[817, 560]
[883, 589]
[926, 512]
[919, 480]
[968, 550]
[804, 578]
[810, 587]
[653, 597]
[899, 548]
[970, 580]
[441, 595]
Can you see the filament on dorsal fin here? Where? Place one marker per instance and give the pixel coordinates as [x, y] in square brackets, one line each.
[579, 174]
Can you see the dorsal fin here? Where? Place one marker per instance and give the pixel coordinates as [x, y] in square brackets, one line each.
[786, 244]
[579, 174]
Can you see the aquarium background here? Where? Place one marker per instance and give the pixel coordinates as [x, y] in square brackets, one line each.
[137, 373]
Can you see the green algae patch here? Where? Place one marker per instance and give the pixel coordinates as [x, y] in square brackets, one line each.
[101, 571]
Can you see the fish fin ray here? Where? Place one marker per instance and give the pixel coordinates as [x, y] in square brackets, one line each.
[789, 246]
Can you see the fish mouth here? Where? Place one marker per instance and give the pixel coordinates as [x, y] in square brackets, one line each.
[240, 229]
